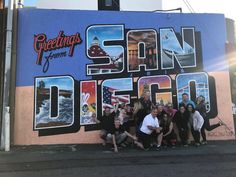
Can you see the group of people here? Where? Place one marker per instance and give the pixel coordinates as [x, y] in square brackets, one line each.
[149, 125]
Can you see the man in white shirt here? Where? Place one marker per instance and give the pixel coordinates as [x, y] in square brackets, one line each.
[150, 129]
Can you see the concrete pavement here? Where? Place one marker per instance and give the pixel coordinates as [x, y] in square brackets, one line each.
[94, 160]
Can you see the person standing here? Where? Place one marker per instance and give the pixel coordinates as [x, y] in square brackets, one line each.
[169, 136]
[160, 112]
[138, 114]
[201, 108]
[181, 119]
[196, 122]
[185, 100]
[146, 102]
[170, 110]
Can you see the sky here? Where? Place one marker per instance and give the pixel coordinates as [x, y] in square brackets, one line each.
[199, 6]
[26, 2]
[30, 2]
[204, 6]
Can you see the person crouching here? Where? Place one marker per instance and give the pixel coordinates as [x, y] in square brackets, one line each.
[119, 135]
[150, 128]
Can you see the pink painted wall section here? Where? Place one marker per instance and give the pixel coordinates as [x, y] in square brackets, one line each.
[23, 123]
[224, 106]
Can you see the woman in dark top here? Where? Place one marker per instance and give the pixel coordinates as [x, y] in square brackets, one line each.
[106, 123]
[138, 114]
[181, 119]
[146, 102]
[201, 108]
[128, 120]
[196, 122]
[169, 136]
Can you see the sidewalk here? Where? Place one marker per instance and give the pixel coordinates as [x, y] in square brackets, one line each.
[96, 151]
[216, 159]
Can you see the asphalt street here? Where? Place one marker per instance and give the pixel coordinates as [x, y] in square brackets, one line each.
[217, 159]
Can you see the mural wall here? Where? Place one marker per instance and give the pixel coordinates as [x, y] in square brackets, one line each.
[70, 68]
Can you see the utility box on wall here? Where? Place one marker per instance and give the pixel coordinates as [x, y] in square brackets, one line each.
[117, 5]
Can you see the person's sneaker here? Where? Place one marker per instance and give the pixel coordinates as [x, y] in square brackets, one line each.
[221, 122]
[164, 146]
[153, 145]
[204, 142]
[197, 144]
[158, 147]
[138, 144]
[104, 143]
[123, 145]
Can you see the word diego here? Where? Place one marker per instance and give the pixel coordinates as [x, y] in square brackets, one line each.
[59, 94]
[41, 44]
